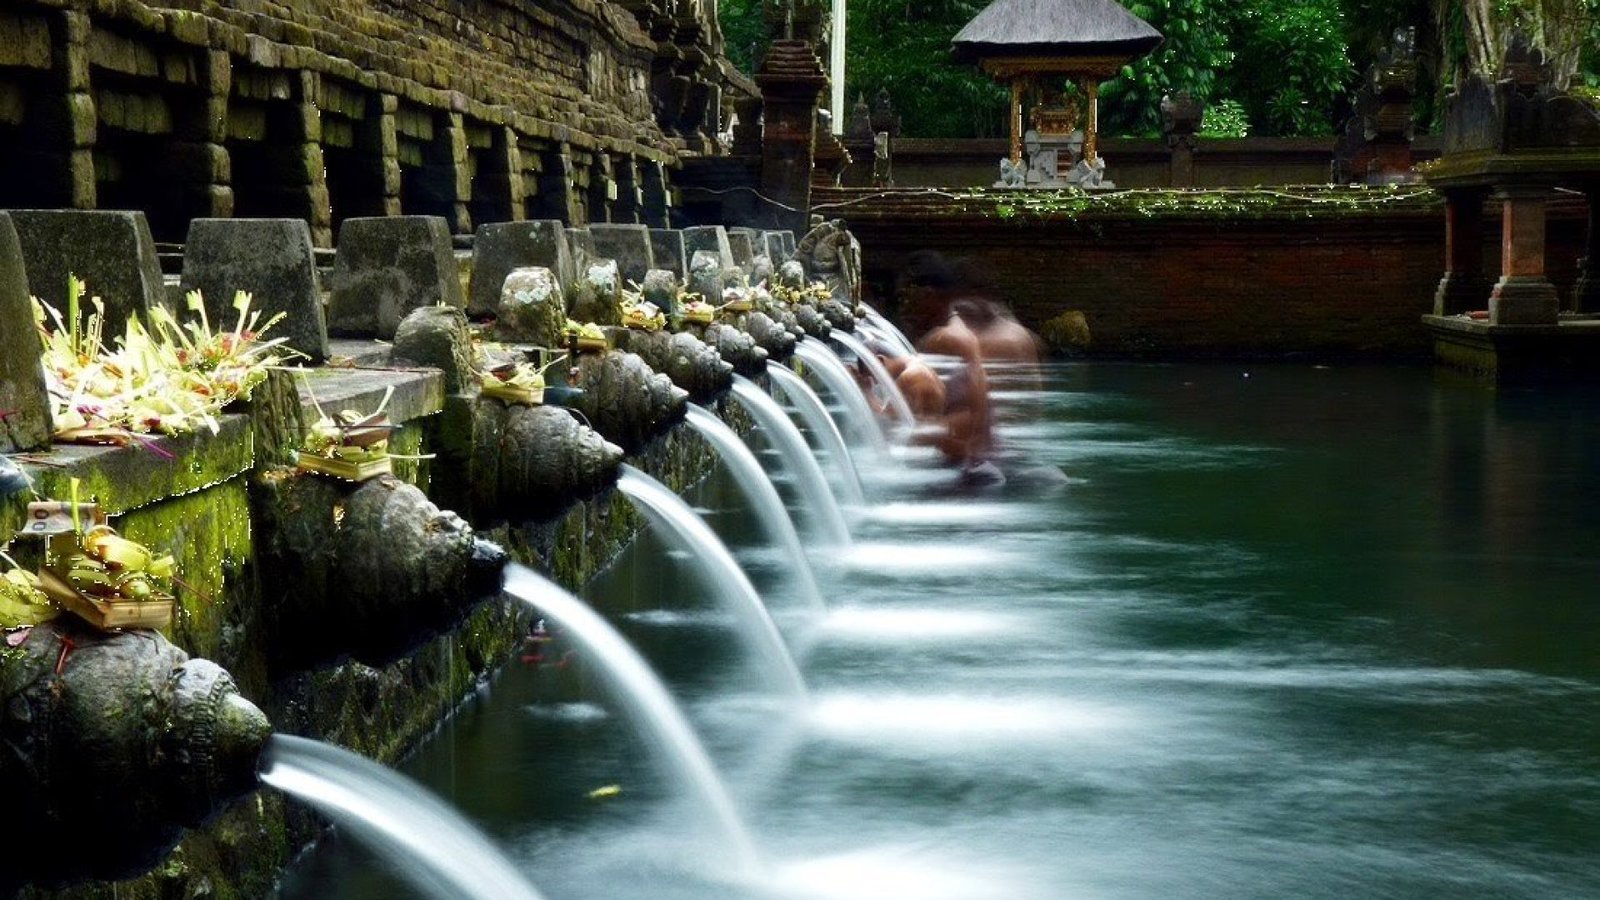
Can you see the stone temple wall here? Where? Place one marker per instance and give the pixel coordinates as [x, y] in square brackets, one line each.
[474, 110]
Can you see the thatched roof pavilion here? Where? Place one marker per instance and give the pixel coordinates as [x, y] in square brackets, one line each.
[1088, 41]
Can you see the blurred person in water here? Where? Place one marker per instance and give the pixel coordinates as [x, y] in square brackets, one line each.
[928, 289]
[1010, 351]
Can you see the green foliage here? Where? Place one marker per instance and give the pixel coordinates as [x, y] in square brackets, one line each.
[1293, 67]
[1225, 119]
[744, 33]
[1289, 65]
[1194, 53]
[904, 47]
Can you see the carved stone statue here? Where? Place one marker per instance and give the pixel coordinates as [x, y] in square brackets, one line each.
[832, 255]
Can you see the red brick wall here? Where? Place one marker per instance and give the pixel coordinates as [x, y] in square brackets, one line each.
[1321, 285]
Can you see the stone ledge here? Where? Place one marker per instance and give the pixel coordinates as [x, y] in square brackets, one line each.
[121, 479]
[1568, 350]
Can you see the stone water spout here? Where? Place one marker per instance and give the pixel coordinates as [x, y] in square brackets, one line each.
[768, 333]
[691, 363]
[737, 347]
[111, 744]
[626, 400]
[531, 462]
[502, 461]
[363, 570]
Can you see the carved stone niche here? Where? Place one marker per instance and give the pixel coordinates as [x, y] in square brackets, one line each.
[1375, 144]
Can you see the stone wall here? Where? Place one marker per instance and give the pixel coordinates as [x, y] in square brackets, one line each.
[474, 110]
[1138, 162]
[1203, 274]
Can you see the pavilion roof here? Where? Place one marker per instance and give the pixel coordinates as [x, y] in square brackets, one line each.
[1055, 28]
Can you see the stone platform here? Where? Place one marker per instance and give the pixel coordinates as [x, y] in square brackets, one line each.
[1567, 350]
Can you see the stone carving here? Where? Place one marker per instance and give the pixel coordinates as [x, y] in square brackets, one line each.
[831, 254]
[625, 400]
[738, 348]
[768, 334]
[112, 743]
[688, 361]
[376, 569]
[1375, 144]
[1521, 110]
[597, 297]
[437, 336]
[531, 462]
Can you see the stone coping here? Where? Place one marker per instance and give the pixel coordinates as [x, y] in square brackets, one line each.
[1570, 326]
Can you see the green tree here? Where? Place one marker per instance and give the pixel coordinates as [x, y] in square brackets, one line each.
[1191, 58]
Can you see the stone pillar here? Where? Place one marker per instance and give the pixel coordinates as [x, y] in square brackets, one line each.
[203, 137]
[319, 209]
[791, 81]
[1586, 293]
[1463, 286]
[389, 140]
[73, 62]
[460, 175]
[1523, 296]
[657, 195]
[514, 185]
[1181, 118]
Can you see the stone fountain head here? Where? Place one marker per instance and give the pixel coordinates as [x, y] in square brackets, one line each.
[113, 743]
[625, 400]
[767, 333]
[531, 462]
[377, 568]
[812, 321]
[691, 363]
[737, 347]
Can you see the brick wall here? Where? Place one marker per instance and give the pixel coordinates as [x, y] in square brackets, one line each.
[1193, 282]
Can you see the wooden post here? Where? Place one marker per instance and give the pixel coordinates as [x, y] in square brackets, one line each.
[1091, 131]
[1016, 120]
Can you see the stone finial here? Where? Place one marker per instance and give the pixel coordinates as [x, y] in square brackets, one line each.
[709, 238]
[597, 297]
[437, 336]
[532, 308]
[1182, 116]
[792, 274]
[272, 259]
[504, 246]
[742, 244]
[385, 268]
[760, 268]
[629, 245]
[24, 405]
[112, 252]
[667, 248]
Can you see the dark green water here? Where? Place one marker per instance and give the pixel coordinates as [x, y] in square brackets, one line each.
[1291, 632]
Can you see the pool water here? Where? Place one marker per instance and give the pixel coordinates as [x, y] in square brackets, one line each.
[1289, 631]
